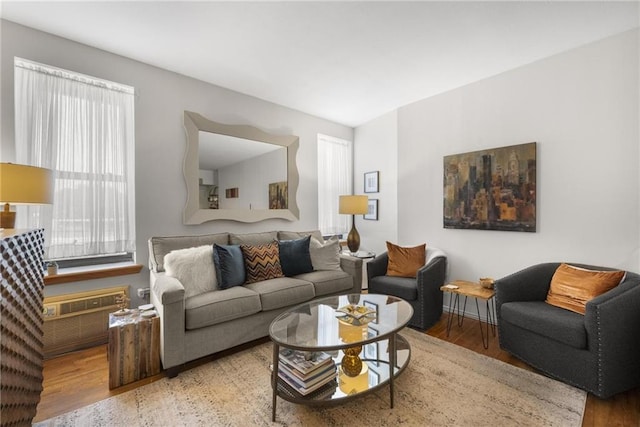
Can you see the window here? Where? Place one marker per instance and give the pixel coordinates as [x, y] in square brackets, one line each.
[335, 178]
[83, 129]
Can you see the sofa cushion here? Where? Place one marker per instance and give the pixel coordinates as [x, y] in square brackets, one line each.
[572, 287]
[159, 247]
[229, 264]
[325, 255]
[212, 308]
[405, 262]
[547, 320]
[294, 256]
[253, 238]
[282, 292]
[292, 235]
[328, 282]
[261, 262]
[402, 287]
[194, 268]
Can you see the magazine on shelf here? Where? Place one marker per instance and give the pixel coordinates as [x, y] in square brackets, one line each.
[318, 376]
[306, 390]
[303, 361]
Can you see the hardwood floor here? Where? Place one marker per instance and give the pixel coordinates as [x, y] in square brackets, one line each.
[78, 379]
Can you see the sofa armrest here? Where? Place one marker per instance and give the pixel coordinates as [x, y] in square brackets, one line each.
[530, 284]
[167, 296]
[353, 266]
[378, 266]
[166, 288]
[612, 321]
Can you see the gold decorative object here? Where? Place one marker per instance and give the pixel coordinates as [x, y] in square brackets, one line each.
[351, 362]
[123, 303]
[356, 314]
[486, 282]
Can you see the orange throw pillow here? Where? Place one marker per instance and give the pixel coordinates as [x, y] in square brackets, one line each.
[572, 287]
[405, 262]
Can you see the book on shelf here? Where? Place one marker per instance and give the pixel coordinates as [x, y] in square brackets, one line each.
[318, 375]
[305, 362]
[305, 390]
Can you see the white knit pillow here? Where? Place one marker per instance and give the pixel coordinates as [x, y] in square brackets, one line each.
[194, 268]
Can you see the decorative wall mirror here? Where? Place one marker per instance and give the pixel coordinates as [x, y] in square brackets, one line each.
[238, 172]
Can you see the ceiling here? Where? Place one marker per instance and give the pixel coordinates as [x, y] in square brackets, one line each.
[348, 62]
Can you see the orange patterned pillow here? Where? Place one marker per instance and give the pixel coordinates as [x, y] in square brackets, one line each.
[261, 262]
[572, 287]
[405, 262]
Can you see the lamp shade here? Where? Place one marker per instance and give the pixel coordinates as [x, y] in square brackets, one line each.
[353, 205]
[22, 184]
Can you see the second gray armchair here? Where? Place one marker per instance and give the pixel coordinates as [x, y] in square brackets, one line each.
[422, 292]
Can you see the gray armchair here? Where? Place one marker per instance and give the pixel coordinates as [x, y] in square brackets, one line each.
[598, 352]
[422, 292]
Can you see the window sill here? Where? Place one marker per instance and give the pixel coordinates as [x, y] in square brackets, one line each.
[79, 274]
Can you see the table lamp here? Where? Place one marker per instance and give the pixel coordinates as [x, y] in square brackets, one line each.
[24, 185]
[353, 205]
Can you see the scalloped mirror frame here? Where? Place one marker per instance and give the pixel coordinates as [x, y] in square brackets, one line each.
[192, 214]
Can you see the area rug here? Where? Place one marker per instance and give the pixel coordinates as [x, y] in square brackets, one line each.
[444, 385]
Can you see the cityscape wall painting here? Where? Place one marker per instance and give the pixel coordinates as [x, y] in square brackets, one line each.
[492, 189]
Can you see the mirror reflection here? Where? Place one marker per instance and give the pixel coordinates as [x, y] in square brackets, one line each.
[238, 172]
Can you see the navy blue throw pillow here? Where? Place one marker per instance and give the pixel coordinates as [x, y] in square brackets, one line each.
[229, 265]
[294, 256]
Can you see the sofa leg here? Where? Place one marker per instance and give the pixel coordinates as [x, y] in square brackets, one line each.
[172, 372]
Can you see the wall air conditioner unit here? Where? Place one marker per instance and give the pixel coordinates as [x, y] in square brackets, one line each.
[79, 320]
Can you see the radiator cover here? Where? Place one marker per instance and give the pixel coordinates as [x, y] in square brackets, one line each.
[79, 320]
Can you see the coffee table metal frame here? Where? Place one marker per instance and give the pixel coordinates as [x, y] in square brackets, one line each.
[396, 343]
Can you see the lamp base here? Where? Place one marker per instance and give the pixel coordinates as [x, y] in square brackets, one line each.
[7, 218]
[353, 239]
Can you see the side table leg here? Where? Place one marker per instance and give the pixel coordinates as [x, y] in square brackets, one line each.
[274, 380]
[464, 309]
[485, 342]
[452, 304]
[392, 366]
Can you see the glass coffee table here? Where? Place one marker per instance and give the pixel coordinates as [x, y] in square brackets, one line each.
[364, 347]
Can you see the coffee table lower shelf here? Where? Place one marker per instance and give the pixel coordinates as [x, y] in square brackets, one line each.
[374, 376]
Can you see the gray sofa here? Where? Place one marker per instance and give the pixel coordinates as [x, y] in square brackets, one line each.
[598, 352]
[200, 325]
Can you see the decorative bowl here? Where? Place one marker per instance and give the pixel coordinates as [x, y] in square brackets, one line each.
[486, 282]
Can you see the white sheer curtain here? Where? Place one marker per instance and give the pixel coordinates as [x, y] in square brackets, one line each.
[83, 129]
[335, 178]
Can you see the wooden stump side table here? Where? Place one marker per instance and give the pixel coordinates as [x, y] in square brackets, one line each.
[475, 290]
[134, 348]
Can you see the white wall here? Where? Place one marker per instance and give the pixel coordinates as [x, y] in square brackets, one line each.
[376, 149]
[161, 98]
[581, 107]
[252, 178]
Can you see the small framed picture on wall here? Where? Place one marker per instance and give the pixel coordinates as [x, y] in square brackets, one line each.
[372, 210]
[371, 182]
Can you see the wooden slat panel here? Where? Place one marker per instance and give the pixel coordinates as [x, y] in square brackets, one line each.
[134, 351]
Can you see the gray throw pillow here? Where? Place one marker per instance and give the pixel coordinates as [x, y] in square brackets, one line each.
[325, 256]
[294, 256]
[229, 265]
